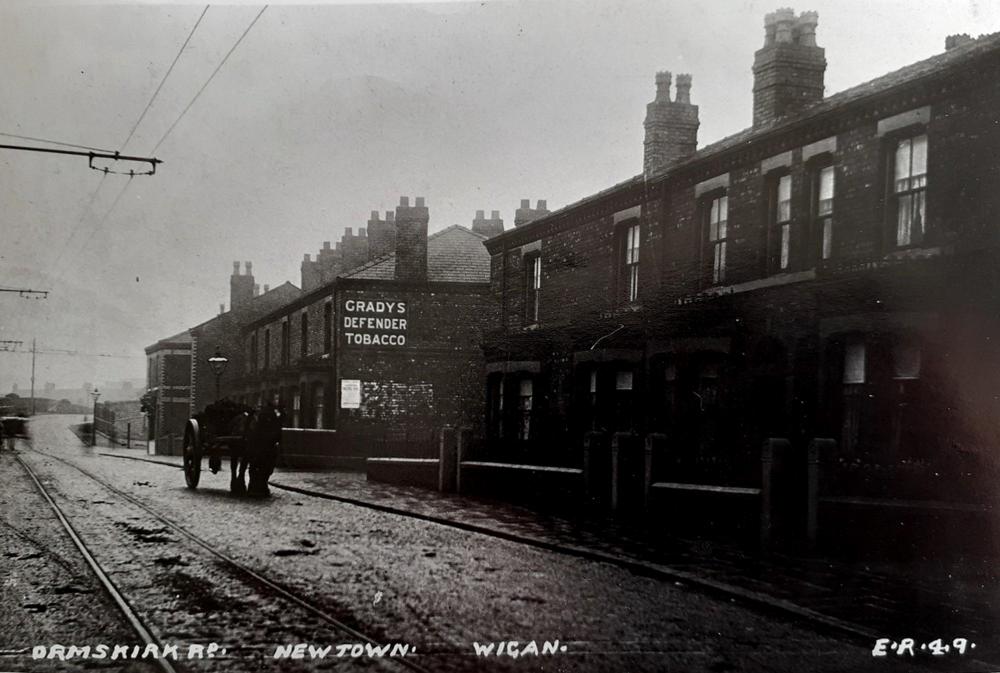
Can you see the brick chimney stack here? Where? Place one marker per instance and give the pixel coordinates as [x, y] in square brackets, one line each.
[487, 227]
[381, 234]
[240, 287]
[526, 213]
[671, 126]
[411, 240]
[788, 70]
[958, 40]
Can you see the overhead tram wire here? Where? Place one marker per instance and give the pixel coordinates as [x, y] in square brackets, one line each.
[63, 351]
[163, 81]
[100, 224]
[79, 223]
[107, 214]
[149, 104]
[209, 80]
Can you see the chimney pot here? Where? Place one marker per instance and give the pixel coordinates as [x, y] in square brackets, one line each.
[663, 79]
[222, 309]
[349, 231]
[249, 266]
[362, 232]
[495, 215]
[782, 21]
[541, 204]
[390, 216]
[404, 201]
[420, 202]
[326, 245]
[306, 258]
[683, 88]
[256, 289]
[480, 214]
[374, 215]
[266, 288]
[807, 28]
[526, 203]
[236, 268]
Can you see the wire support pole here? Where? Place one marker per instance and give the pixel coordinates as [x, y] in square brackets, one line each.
[26, 292]
[116, 156]
[33, 351]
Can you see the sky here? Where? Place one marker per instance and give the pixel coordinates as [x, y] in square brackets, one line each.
[325, 112]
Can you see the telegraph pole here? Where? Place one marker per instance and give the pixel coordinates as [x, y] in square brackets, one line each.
[33, 377]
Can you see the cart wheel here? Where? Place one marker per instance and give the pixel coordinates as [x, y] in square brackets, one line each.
[192, 454]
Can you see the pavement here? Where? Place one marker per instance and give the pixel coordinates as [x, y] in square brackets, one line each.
[924, 599]
[450, 582]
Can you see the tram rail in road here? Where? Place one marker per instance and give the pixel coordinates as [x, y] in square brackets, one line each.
[249, 574]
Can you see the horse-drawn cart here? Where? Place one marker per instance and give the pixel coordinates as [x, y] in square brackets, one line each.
[226, 429]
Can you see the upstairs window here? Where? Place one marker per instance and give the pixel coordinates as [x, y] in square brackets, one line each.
[327, 326]
[779, 224]
[716, 214]
[628, 274]
[823, 209]
[532, 288]
[305, 334]
[909, 189]
[285, 345]
[253, 351]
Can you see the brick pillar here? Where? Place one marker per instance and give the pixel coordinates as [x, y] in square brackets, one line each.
[626, 467]
[655, 446]
[596, 466]
[448, 460]
[817, 448]
[773, 455]
[463, 451]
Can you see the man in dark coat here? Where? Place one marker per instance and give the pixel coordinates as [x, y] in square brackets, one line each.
[265, 441]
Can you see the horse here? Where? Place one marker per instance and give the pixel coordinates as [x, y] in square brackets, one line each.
[263, 441]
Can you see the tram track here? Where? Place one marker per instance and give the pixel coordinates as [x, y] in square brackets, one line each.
[248, 575]
[134, 621]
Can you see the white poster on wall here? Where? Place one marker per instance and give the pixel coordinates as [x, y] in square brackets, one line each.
[350, 393]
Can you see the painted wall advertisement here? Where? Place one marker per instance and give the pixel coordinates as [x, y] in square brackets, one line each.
[374, 322]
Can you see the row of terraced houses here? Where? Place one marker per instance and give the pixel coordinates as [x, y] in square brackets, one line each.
[789, 331]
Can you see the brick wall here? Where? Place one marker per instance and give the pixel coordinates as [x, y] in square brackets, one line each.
[435, 377]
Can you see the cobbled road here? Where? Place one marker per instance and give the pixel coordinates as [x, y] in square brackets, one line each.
[392, 578]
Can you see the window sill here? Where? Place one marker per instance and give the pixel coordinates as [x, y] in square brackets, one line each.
[914, 252]
[622, 310]
[776, 280]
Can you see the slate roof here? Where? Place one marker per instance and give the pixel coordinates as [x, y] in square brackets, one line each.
[952, 59]
[180, 339]
[454, 255]
[259, 304]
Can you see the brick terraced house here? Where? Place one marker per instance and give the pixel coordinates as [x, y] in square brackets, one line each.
[385, 353]
[803, 312]
[179, 376]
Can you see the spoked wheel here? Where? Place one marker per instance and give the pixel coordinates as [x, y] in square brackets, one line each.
[192, 454]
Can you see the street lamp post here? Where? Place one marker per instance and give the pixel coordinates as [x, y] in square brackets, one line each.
[218, 363]
[95, 393]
